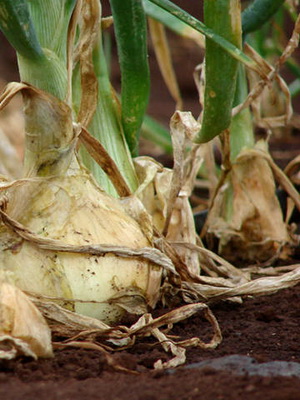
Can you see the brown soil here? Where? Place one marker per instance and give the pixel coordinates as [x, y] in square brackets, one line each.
[264, 328]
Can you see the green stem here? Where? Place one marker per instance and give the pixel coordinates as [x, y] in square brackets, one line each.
[47, 73]
[224, 17]
[51, 22]
[241, 128]
[131, 36]
[50, 19]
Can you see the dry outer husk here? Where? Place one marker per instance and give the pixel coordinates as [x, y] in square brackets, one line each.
[272, 108]
[67, 323]
[269, 74]
[246, 216]
[10, 164]
[23, 329]
[165, 193]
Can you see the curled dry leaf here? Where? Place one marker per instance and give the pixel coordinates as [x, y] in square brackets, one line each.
[271, 73]
[293, 170]
[23, 329]
[91, 17]
[154, 187]
[147, 325]
[180, 223]
[165, 193]
[257, 287]
[220, 266]
[85, 329]
[272, 108]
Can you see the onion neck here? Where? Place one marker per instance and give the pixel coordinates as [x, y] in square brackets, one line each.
[50, 142]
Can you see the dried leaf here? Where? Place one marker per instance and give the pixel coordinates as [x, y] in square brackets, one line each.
[72, 322]
[257, 287]
[155, 182]
[224, 269]
[147, 325]
[72, 28]
[101, 156]
[272, 106]
[89, 35]
[165, 193]
[273, 74]
[265, 285]
[163, 55]
[130, 300]
[23, 330]
[293, 167]
[69, 323]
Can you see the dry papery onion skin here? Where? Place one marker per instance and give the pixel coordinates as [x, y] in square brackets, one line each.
[66, 204]
[23, 330]
[256, 229]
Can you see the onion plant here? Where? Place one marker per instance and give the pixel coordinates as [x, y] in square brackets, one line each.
[244, 214]
[89, 226]
[65, 92]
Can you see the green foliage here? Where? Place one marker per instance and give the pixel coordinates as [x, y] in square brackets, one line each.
[17, 26]
[220, 68]
[258, 13]
[131, 34]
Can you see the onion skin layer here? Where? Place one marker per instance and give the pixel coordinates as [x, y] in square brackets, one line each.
[74, 210]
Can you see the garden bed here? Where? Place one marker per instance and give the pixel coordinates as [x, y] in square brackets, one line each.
[264, 328]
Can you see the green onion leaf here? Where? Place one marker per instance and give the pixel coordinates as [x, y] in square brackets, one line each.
[166, 18]
[199, 26]
[156, 133]
[17, 26]
[224, 17]
[259, 12]
[131, 35]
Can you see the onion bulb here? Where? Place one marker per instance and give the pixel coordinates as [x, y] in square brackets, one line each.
[59, 199]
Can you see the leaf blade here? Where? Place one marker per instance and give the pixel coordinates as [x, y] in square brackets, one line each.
[131, 34]
[17, 26]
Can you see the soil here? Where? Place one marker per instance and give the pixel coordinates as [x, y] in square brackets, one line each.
[265, 329]
[259, 357]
